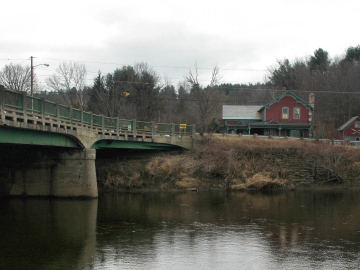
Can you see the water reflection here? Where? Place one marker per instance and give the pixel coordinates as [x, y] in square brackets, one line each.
[297, 230]
[47, 234]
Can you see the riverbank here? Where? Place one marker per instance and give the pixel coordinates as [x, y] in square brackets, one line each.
[237, 164]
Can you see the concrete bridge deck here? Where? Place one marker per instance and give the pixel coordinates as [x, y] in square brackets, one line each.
[85, 128]
[27, 120]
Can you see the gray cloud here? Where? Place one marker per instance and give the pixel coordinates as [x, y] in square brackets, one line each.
[237, 36]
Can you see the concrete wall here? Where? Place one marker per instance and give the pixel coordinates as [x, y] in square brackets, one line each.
[182, 141]
[69, 173]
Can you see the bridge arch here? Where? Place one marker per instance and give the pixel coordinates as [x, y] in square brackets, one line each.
[11, 135]
[140, 145]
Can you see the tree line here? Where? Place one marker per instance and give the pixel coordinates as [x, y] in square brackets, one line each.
[335, 83]
[130, 92]
[137, 92]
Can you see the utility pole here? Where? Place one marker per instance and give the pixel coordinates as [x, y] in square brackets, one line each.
[32, 75]
[32, 79]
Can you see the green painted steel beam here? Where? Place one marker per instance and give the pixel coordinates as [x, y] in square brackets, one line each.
[112, 144]
[11, 135]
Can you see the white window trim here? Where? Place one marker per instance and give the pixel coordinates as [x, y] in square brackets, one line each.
[357, 124]
[288, 113]
[295, 114]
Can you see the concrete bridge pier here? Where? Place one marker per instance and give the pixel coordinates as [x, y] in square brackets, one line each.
[70, 173]
[75, 175]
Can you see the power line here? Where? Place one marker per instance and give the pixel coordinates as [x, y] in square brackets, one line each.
[13, 59]
[230, 88]
[356, 92]
[155, 66]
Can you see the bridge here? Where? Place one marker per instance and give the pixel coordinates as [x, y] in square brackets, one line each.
[76, 135]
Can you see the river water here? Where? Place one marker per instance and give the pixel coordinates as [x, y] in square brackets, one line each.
[295, 230]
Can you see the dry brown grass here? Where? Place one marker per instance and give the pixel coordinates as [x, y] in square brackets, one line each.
[240, 163]
[263, 182]
[241, 158]
[188, 183]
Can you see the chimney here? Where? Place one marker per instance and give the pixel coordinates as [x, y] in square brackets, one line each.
[312, 100]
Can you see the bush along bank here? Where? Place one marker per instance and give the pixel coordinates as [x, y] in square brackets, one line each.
[236, 164]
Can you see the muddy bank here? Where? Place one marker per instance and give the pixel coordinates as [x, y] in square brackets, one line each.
[235, 164]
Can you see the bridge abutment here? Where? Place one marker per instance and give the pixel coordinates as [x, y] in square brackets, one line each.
[69, 173]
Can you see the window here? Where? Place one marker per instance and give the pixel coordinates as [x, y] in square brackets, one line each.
[285, 113]
[357, 124]
[296, 113]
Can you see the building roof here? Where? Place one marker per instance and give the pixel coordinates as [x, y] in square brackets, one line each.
[348, 123]
[291, 94]
[241, 112]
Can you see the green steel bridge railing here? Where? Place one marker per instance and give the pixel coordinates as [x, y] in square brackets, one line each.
[29, 104]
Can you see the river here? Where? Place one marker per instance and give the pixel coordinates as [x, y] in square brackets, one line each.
[204, 230]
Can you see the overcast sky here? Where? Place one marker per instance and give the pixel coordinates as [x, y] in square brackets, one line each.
[244, 38]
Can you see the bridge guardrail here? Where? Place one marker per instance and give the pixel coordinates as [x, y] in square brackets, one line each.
[41, 107]
[126, 125]
[63, 111]
[32, 104]
[50, 108]
[163, 128]
[76, 115]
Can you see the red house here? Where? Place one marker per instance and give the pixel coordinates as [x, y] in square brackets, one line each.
[350, 131]
[286, 115]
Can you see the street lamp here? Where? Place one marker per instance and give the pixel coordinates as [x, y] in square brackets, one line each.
[32, 73]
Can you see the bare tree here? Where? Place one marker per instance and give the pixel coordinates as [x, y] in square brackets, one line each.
[69, 80]
[215, 76]
[208, 100]
[16, 77]
[193, 77]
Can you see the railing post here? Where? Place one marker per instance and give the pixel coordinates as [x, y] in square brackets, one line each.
[2, 98]
[118, 125]
[43, 111]
[114, 126]
[172, 129]
[103, 123]
[70, 113]
[42, 107]
[22, 100]
[57, 110]
[152, 128]
[2, 103]
[70, 118]
[134, 126]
